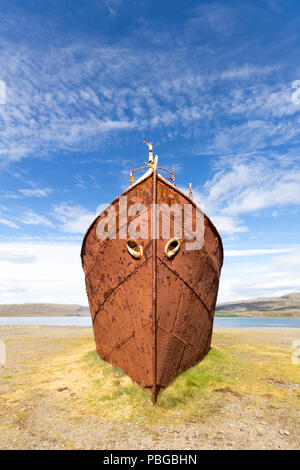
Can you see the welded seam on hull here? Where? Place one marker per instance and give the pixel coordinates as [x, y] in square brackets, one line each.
[212, 263]
[125, 342]
[104, 243]
[180, 360]
[172, 331]
[190, 347]
[172, 270]
[191, 288]
[208, 341]
[118, 285]
[154, 288]
[178, 368]
[177, 310]
[198, 358]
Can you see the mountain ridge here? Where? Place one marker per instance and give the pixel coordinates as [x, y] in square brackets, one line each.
[285, 306]
[51, 310]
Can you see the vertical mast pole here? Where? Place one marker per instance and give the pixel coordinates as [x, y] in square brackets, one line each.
[150, 145]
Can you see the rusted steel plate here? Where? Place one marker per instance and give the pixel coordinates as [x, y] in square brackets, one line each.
[152, 316]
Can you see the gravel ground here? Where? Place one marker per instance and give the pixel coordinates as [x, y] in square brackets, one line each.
[39, 413]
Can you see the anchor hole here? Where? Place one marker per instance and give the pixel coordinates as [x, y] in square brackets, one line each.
[172, 247]
[134, 248]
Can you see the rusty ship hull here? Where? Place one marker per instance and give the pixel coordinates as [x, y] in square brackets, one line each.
[153, 316]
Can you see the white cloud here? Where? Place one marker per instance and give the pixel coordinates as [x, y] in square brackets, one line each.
[246, 276]
[73, 218]
[248, 281]
[228, 224]
[288, 261]
[55, 101]
[268, 285]
[275, 192]
[219, 17]
[247, 187]
[246, 71]
[224, 224]
[31, 218]
[101, 208]
[52, 273]
[9, 195]
[258, 252]
[8, 223]
[113, 6]
[35, 192]
[2, 92]
[18, 258]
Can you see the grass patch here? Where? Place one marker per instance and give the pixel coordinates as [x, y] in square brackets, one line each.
[233, 370]
[110, 390]
[189, 397]
[21, 415]
[244, 367]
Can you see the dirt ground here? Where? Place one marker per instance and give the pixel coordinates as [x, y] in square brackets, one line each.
[44, 402]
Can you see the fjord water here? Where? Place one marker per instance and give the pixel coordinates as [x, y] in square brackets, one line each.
[219, 322]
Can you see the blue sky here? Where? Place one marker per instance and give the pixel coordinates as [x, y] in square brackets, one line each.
[214, 85]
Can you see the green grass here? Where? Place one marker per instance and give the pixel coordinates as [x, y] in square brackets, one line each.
[238, 367]
[188, 398]
[21, 416]
[245, 368]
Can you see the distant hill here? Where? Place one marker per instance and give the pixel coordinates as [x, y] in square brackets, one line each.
[47, 310]
[284, 306]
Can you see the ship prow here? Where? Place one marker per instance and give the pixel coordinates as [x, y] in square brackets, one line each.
[152, 309]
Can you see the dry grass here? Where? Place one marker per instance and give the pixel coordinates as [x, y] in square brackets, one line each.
[233, 366]
[63, 376]
[237, 369]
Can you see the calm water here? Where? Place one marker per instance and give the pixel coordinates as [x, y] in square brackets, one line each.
[219, 322]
